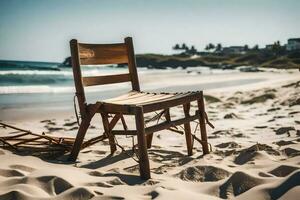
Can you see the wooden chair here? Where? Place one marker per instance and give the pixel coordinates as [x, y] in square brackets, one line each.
[135, 102]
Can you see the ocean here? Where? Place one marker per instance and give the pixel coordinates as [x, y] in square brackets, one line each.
[23, 77]
[42, 77]
[24, 83]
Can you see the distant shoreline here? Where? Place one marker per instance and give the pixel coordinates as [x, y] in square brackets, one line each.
[251, 58]
[263, 59]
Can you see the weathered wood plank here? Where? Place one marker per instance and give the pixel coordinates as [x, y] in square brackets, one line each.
[165, 125]
[108, 79]
[158, 127]
[171, 102]
[97, 54]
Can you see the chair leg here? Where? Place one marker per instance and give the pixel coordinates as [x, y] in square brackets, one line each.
[107, 130]
[149, 140]
[142, 144]
[187, 130]
[79, 138]
[201, 109]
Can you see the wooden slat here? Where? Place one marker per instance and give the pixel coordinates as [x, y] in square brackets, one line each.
[171, 102]
[119, 100]
[165, 125]
[160, 126]
[97, 54]
[117, 108]
[124, 96]
[136, 100]
[108, 79]
[153, 98]
[124, 132]
[175, 100]
[27, 140]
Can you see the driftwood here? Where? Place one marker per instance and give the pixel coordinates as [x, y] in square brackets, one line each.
[26, 142]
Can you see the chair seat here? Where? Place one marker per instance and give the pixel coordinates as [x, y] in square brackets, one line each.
[150, 101]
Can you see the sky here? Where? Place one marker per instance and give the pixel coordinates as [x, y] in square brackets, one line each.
[40, 30]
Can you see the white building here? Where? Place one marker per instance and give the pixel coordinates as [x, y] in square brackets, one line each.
[293, 44]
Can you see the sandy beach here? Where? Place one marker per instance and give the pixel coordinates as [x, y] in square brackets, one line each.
[255, 145]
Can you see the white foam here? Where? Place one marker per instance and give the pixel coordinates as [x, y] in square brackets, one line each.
[34, 89]
[35, 72]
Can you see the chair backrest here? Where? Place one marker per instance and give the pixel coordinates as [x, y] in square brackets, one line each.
[97, 54]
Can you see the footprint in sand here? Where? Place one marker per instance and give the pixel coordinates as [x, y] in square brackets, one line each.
[105, 197]
[70, 123]
[51, 129]
[22, 168]
[264, 174]
[291, 182]
[283, 170]
[95, 173]
[231, 116]
[239, 135]
[250, 153]
[115, 181]
[10, 173]
[202, 174]
[54, 185]
[284, 143]
[15, 194]
[46, 121]
[283, 130]
[291, 152]
[260, 127]
[76, 193]
[132, 169]
[238, 183]
[228, 145]
[100, 184]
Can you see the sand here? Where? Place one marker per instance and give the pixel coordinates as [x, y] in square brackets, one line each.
[255, 151]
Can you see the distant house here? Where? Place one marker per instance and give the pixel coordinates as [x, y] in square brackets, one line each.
[269, 46]
[293, 44]
[234, 50]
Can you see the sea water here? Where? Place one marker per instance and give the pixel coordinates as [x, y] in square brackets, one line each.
[24, 83]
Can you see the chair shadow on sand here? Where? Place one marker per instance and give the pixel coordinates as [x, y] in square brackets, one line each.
[157, 155]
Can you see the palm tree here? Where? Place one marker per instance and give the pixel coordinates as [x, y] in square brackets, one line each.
[209, 46]
[183, 46]
[193, 50]
[256, 47]
[219, 47]
[176, 47]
